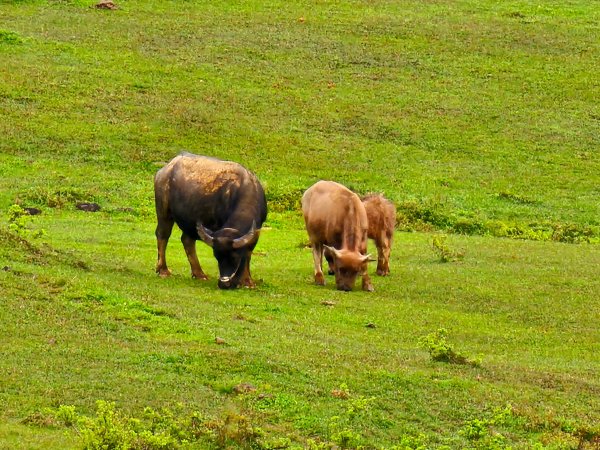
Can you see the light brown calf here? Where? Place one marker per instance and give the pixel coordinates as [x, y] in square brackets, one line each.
[336, 222]
[381, 214]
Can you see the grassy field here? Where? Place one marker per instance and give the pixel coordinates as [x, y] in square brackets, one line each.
[478, 118]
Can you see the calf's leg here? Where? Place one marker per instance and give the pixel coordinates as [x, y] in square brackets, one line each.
[318, 260]
[366, 281]
[383, 255]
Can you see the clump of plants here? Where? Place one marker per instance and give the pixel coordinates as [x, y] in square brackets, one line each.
[575, 234]
[492, 430]
[56, 197]
[18, 222]
[422, 216]
[10, 37]
[430, 215]
[440, 350]
[515, 198]
[288, 200]
[443, 251]
[154, 430]
[344, 429]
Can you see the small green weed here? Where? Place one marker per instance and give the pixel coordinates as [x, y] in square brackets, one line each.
[67, 415]
[342, 434]
[10, 37]
[235, 429]
[443, 250]
[343, 427]
[18, 223]
[440, 350]
[484, 432]
[475, 429]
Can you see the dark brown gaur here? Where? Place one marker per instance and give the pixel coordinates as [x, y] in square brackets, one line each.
[219, 202]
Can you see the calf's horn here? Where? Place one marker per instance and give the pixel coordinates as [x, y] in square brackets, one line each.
[333, 250]
[205, 234]
[367, 258]
[247, 238]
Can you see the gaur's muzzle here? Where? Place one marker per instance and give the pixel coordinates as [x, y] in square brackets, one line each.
[227, 282]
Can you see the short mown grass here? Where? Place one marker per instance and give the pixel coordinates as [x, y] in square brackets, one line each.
[478, 119]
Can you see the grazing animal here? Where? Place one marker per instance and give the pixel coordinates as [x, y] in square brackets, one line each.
[381, 214]
[336, 222]
[220, 202]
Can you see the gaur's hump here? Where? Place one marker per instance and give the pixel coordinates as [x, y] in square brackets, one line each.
[208, 160]
[189, 162]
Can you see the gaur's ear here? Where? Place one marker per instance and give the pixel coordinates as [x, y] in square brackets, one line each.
[247, 238]
[332, 250]
[205, 234]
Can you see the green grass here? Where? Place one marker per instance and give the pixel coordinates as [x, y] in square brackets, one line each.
[476, 118]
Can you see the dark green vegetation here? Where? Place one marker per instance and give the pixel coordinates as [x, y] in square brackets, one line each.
[477, 118]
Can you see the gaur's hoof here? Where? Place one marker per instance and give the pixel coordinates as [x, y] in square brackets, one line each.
[247, 283]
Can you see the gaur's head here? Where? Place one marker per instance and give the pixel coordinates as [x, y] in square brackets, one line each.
[347, 265]
[231, 250]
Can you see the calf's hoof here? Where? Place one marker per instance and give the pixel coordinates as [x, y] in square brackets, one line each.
[319, 280]
[200, 276]
[163, 273]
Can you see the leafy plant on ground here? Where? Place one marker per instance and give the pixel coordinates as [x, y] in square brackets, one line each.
[426, 215]
[285, 201]
[10, 37]
[154, 430]
[434, 216]
[54, 197]
[516, 198]
[18, 222]
[443, 250]
[440, 350]
[493, 429]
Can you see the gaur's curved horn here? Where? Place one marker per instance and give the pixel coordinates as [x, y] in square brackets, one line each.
[333, 250]
[205, 234]
[247, 238]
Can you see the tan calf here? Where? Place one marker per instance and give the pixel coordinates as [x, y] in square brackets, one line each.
[336, 222]
[381, 214]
